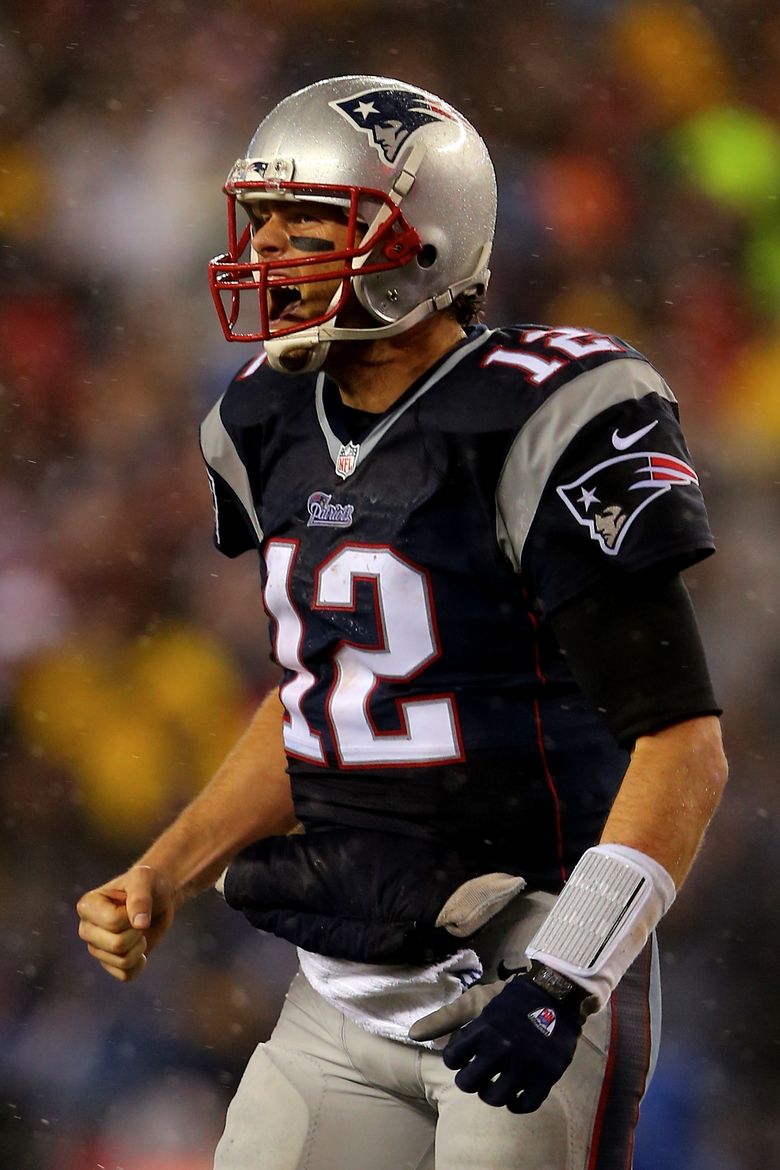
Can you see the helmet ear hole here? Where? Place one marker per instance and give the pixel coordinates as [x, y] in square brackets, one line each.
[427, 257]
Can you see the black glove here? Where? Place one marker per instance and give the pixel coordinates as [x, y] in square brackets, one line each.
[524, 1035]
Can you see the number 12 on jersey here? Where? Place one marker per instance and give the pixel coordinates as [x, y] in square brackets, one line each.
[570, 343]
[407, 643]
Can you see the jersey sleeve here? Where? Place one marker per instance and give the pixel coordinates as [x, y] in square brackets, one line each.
[236, 525]
[600, 483]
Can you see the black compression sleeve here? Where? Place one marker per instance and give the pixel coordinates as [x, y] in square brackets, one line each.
[635, 652]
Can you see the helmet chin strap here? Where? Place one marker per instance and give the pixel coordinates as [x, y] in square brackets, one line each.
[306, 351]
[301, 353]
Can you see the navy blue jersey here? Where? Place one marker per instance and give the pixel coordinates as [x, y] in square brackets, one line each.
[408, 572]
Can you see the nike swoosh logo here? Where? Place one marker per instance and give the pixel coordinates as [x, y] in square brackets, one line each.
[622, 442]
[505, 973]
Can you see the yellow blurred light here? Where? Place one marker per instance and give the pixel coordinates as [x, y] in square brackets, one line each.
[750, 407]
[671, 56]
[183, 674]
[62, 694]
[21, 182]
[124, 775]
[590, 306]
[140, 727]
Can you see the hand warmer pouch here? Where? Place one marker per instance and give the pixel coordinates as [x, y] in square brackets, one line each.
[370, 897]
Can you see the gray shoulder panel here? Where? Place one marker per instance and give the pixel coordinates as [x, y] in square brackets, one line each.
[221, 455]
[548, 432]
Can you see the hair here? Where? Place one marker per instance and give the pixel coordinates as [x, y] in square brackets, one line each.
[469, 307]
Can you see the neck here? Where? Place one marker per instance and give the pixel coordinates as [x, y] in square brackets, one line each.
[372, 375]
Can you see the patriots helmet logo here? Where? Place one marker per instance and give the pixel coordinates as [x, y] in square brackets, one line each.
[607, 498]
[389, 117]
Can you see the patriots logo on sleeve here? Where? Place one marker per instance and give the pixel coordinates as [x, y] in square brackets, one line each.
[607, 498]
[389, 117]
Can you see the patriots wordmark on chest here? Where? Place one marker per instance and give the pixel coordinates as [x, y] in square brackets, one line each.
[346, 459]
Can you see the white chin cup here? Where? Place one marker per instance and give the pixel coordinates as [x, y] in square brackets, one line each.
[299, 353]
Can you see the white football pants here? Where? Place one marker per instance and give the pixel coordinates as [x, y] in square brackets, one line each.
[324, 1094]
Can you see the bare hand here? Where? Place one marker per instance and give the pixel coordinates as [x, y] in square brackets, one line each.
[123, 920]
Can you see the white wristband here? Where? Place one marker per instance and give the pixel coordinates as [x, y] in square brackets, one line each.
[612, 901]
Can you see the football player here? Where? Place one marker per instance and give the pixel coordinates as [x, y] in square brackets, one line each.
[495, 748]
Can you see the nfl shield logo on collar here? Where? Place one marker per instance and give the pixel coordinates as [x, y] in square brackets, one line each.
[346, 460]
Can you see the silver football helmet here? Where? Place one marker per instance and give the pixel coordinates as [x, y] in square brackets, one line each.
[416, 185]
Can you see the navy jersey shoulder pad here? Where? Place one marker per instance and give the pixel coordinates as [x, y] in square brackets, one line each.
[256, 392]
[600, 479]
[514, 371]
[547, 356]
[255, 395]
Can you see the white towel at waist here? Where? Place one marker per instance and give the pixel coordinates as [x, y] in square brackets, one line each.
[385, 999]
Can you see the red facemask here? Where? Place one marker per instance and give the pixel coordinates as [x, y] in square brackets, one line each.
[389, 240]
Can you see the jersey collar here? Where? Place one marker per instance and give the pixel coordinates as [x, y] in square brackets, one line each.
[361, 451]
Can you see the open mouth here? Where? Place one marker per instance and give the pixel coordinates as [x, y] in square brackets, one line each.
[283, 302]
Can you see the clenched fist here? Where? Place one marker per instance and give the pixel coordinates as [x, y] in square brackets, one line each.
[123, 920]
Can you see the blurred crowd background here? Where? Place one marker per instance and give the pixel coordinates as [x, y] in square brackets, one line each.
[637, 146]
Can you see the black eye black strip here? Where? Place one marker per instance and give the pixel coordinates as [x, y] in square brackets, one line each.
[311, 244]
